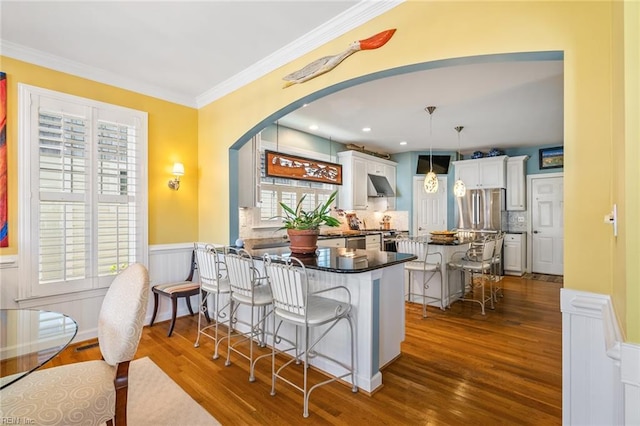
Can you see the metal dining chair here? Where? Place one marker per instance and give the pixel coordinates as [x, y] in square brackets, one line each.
[250, 289]
[212, 273]
[296, 304]
[477, 260]
[429, 264]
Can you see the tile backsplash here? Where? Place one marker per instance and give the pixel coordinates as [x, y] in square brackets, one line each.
[517, 221]
[368, 220]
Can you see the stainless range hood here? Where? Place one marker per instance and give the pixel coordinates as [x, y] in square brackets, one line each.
[379, 187]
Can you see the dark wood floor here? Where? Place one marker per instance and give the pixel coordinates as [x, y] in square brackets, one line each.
[457, 367]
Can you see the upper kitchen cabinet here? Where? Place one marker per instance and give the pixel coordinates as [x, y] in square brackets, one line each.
[516, 186]
[482, 172]
[356, 166]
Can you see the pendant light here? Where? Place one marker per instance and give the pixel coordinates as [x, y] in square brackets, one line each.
[430, 180]
[458, 188]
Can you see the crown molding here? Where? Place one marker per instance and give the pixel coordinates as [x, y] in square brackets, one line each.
[353, 17]
[47, 60]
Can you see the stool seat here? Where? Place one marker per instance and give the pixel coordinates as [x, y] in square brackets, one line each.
[174, 291]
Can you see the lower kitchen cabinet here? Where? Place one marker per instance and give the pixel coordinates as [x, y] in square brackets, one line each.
[373, 242]
[514, 254]
[332, 242]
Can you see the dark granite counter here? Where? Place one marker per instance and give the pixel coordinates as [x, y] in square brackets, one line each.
[340, 260]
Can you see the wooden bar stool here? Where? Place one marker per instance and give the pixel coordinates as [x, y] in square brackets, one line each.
[174, 291]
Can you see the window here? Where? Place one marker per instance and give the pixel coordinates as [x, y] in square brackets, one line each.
[273, 191]
[82, 191]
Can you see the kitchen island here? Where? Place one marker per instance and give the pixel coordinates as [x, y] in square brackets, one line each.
[375, 280]
[451, 286]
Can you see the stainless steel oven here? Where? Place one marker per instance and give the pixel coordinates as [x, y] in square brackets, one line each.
[357, 242]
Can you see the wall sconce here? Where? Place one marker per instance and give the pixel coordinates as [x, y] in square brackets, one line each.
[178, 170]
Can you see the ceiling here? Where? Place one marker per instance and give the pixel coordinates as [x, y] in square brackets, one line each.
[153, 47]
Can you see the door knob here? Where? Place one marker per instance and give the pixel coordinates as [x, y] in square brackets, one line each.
[536, 232]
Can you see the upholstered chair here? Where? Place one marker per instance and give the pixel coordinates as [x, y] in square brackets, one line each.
[91, 392]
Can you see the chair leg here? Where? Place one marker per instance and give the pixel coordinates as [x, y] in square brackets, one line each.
[188, 299]
[121, 383]
[201, 296]
[155, 308]
[174, 312]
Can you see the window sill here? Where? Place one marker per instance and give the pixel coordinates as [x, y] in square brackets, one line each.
[38, 301]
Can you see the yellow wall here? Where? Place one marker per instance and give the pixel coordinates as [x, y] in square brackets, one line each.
[441, 30]
[629, 155]
[172, 137]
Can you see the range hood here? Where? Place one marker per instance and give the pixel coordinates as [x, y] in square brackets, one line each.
[379, 187]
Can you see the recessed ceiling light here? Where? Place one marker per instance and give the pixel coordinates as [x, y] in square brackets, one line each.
[313, 127]
[366, 129]
[403, 143]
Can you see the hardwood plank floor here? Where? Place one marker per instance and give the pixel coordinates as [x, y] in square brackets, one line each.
[456, 367]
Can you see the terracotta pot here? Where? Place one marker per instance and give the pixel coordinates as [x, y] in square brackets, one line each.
[303, 241]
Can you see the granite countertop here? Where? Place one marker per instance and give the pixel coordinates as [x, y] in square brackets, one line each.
[340, 260]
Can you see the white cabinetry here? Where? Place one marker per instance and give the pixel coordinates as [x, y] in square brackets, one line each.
[373, 242]
[332, 242]
[356, 167]
[352, 195]
[516, 189]
[514, 254]
[482, 172]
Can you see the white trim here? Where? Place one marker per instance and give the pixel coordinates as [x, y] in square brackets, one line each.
[592, 388]
[39, 301]
[353, 17]
[27, 251]
[159, 248]
[9, 261]
[630, 376]
[47, 60]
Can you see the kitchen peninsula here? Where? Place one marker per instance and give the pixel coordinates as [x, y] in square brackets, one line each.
[375, 280]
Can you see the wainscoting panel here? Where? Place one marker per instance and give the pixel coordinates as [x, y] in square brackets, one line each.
[169, 263]
[631, 380]
[592, 390]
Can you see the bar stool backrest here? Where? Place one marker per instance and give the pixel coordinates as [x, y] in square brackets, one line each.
[242, 273]
[210, 266]
[289, 284]
[415, 247]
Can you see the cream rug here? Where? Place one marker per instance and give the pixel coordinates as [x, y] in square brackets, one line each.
[156, 400]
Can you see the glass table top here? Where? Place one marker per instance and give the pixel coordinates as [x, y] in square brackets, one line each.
[29, 338]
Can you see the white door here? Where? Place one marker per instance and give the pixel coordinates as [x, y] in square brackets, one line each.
[547, 225]
[429, 210]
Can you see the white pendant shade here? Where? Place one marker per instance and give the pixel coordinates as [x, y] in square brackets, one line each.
[459, 189]
[431, 183]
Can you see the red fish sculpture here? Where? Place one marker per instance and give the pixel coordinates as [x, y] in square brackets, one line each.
[327, 63]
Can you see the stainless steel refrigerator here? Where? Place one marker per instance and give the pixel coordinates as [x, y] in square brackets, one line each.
[481, 210]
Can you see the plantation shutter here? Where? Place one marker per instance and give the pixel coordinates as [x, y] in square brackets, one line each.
[64, 163]
[88, 169]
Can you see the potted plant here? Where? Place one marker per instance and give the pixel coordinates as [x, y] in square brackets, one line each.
[303, 227]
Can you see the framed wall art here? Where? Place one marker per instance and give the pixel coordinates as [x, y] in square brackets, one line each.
[551, 158]
[300, 168]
